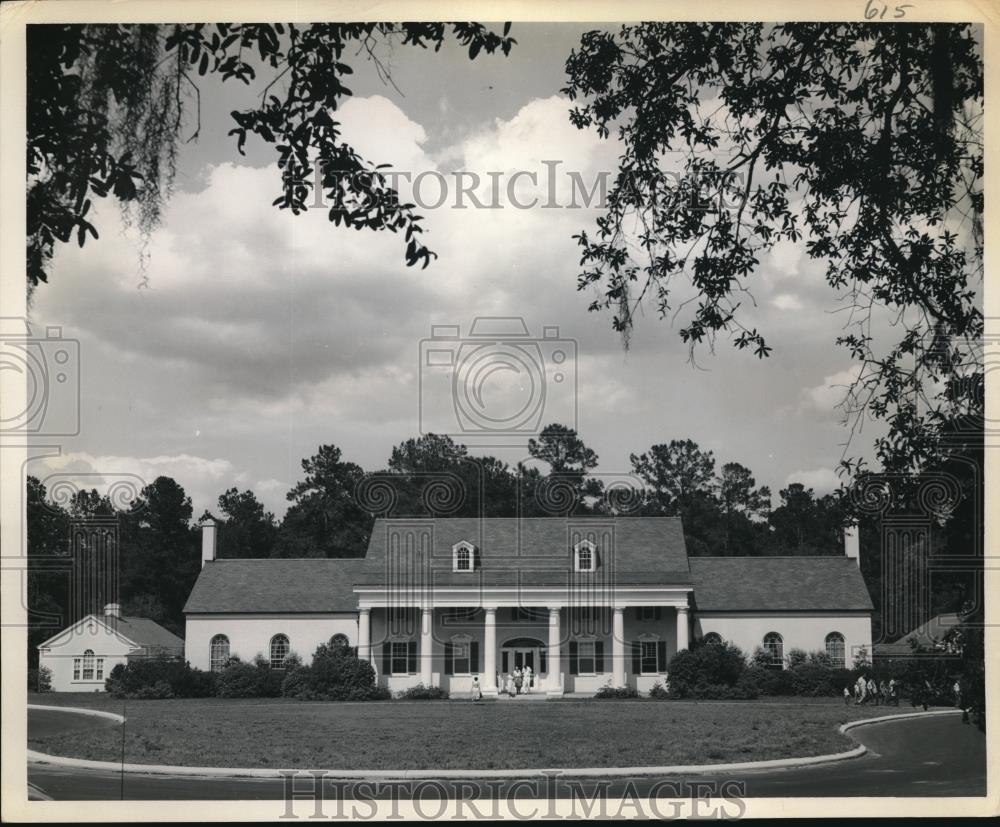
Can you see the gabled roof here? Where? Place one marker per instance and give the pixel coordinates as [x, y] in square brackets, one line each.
[136, 631]
[276, 585]
[533, 551]
[145, 632]
[815, 583]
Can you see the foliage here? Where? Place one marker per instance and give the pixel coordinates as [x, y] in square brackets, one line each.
[659, 691]
[159, 678]
[106, 109]
[422, 693]
[796, 657]
[705, 665]
[40, 679]
[862, 660]
[862, 140]
[247, 530]
[335, 674]
[616, 693]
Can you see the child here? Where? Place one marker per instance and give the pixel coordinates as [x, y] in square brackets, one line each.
[847, 696]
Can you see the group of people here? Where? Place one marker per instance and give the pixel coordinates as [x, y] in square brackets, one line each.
[516, 682]
[866, 690]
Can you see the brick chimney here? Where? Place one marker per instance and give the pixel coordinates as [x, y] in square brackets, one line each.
[112, 610]
[208, 529]
[852, 545]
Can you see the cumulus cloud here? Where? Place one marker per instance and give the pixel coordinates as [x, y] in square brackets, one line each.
[827, 395]
[787, 301]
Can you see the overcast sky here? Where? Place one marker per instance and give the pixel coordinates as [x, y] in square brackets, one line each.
[259, 336]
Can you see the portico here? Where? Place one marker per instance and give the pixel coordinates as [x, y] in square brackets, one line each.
[456, 633]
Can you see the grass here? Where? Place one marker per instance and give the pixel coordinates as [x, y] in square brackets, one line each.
[284, 733]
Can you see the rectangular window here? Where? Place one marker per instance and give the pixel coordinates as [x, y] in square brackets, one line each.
[586, 657]
[460, 655]
[100, 669]
[649, 613]
[400, 651]
[463, 615]
[650, 666]
[76, 669]
[530, 615]
[88, 669]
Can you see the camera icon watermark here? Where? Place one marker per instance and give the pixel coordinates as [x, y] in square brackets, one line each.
[499, 381]
[49, 366]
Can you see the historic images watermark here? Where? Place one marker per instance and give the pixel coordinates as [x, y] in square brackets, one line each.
[549, 186]
[547, 795]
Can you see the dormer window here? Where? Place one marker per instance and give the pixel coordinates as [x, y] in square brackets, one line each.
[586, 556]
[464, 556]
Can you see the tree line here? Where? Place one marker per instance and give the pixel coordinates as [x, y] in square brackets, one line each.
[154, 539]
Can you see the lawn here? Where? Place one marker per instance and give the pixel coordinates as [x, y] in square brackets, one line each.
[283, 733]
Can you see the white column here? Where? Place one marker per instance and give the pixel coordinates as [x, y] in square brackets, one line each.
[426, 644]
[618, 647]
[682, 627]
[489, 680]
[364, 634]
[554, 655]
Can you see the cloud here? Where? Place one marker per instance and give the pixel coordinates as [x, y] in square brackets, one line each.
[787, 301]
[820, 480]
[826, 396]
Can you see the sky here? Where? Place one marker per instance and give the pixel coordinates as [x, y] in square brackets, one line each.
[255, 336]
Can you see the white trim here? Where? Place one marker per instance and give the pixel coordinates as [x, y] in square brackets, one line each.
[592, 548]
[84, 619]
[463, 545]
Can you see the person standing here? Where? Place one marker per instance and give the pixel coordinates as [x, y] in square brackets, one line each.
[859, 690]
[529, 677]
[873, 690]
[847, 696]
[518, 679]
[477, 690]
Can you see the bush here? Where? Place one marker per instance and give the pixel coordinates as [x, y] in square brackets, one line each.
[705, 665]
[796, 657]
[335, 674]
[616, 693]
[659, 691]
[40, 680]
[423, 693]
[142, 678]
[239, 680]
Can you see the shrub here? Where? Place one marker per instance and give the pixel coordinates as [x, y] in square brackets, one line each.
[239, 680]
[659, 691]
[423, 693]
[335, 674]
[821, 659]
[40, 680]
[140, 677]
[616, 693]
[796, 657]
[711, 665]
[158, 691]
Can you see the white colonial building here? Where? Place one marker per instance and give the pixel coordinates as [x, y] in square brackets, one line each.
[82, 656]
[586, 602]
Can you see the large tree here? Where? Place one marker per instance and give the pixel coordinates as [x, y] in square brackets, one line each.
[744, 509]
[862, 141]
[107, 106]
[566, 487]
[247, 530]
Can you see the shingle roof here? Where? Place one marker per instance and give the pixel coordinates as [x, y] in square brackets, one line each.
[532, 551]
[817, 583]
[276, 585]
[145, 632]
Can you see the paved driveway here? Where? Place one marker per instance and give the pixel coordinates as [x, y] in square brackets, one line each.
[933, 756]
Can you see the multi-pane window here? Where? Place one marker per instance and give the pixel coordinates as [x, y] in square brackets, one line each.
[585, 557]
[529, 615]
[100, 669]
[76, 669]
[279, 651]
[88, 665]
[400, 652]
[648, 655]
[649, 613]
[774, 646]
[586, 657]
[835, 649]
[219, 653]
[463, 559]
[712, 639]
[340, 641]
[460, 657]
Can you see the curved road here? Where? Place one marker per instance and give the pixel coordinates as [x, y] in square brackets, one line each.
[933, 756]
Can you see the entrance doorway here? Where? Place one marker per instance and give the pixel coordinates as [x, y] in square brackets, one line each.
[521, 652]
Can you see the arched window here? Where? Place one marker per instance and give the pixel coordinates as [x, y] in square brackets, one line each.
[775, 647]
[279, 651]
[219, 653]
[88, 665]
[586, 556]
[712, 639]
[464, 556]
[835, 649]
[339, 641]
[463, 559]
